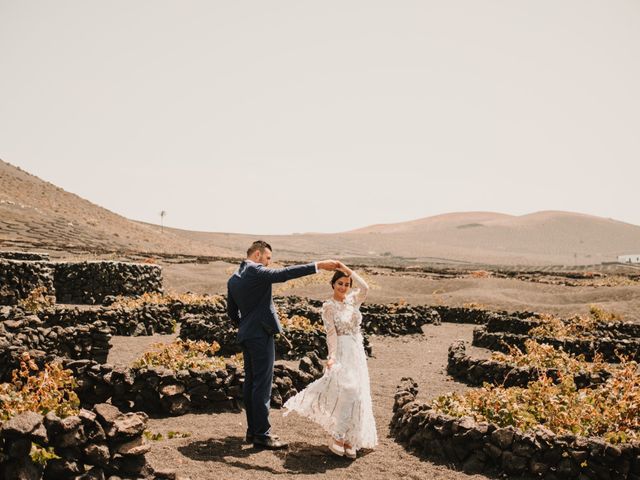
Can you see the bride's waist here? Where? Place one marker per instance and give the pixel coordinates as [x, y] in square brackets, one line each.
[353, 334]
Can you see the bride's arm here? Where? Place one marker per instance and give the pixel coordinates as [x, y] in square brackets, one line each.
[362, 287]
[328, 318]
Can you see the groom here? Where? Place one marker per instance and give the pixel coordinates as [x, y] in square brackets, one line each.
[250, 307]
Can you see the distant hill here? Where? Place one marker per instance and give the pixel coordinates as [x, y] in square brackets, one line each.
[437, 222]
[541, 238]
[36, 213]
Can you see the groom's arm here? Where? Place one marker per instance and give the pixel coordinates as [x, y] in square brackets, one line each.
[279, 275]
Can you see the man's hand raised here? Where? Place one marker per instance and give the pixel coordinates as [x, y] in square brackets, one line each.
[330, 265]
[344, 269]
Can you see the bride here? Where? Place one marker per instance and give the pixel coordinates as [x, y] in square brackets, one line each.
[340, 401]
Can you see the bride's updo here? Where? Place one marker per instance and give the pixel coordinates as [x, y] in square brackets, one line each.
[338, 275]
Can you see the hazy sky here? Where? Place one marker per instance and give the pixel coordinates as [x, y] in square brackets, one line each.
[295, 116]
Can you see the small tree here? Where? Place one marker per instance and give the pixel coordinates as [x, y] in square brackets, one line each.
[162, 215]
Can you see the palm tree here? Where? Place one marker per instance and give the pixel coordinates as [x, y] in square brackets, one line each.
[162, 215]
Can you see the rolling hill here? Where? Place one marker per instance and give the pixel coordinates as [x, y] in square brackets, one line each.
[37, 214]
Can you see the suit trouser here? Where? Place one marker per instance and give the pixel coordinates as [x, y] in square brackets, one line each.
[259, 356]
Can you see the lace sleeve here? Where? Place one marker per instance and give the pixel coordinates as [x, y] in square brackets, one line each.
[328, 317]
[361, 288]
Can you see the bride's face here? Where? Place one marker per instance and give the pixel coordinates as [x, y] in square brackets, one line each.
[341, 286]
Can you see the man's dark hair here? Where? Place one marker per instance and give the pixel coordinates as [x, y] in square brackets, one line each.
[338, 275]
[258, 245]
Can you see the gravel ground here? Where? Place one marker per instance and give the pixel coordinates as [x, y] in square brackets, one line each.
[215, 447]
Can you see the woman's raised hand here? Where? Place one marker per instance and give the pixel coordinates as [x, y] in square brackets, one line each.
[344, 269]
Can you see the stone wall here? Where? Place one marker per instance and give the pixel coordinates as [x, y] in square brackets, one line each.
[18, 278]
[161, 391]
[91, 282]
[377, 319]
[219, 328]
[394, 320]
[479, 447]
[179, 309]
[305, 307]
[463, 315]
[146, 319]
[476, 316]
[294, 343]
[32, 256]
[608, 347]
[523, 326]
[475, 371]
[25, 333]
[76, 283]
[100, 442]
[210, 328]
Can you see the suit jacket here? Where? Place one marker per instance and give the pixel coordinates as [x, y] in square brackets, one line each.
[249, 302]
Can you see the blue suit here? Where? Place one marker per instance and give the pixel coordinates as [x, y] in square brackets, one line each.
[250, 307]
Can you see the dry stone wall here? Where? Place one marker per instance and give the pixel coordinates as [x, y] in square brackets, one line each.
[475, 371]
[608, 347]
[19, 278]
[10, 255]
[95, 444]
[292, 345]
[523, 326]
[91, 282]
[28, 333]
[480, 447]
[477, 316]
[162, 391]
[145, 319]
[377, 319]
[76, 282]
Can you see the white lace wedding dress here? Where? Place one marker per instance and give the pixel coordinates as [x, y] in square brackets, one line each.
[340, 401]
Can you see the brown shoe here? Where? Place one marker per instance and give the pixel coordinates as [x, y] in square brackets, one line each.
[269, 443]
[249, 437]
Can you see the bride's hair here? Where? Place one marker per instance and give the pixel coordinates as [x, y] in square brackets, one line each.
[339, 274]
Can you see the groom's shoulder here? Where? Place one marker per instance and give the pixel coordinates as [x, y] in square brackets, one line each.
[251, 270]
[253, 267]
[243, 269]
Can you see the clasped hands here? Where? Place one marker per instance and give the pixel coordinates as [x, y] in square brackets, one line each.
[333, 265]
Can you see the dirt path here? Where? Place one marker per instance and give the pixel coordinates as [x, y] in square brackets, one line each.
[215, 448]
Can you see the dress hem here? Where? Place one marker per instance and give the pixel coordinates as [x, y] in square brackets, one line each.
[325, 421]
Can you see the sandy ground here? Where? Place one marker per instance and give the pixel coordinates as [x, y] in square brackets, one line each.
[215, 448]
[36, 215]
[493, 293]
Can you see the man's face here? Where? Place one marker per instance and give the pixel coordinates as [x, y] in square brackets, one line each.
[264, 257]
